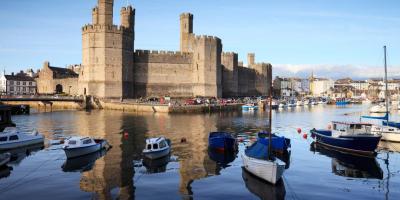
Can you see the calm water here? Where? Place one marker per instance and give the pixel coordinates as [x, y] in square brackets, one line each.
[191, 172]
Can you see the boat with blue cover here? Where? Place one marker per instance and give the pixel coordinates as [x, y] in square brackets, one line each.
[350, 137]
[279, 143]
[223, 141]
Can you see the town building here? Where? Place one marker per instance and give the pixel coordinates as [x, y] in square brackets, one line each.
[113, 68]
[19, 84]
[319, 87]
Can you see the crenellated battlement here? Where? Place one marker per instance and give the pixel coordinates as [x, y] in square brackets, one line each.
[107, 28]
[157, 52]
[229, 53]
[186, 15]
[207, 38]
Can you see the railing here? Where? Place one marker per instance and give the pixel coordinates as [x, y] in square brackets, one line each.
[40, 98]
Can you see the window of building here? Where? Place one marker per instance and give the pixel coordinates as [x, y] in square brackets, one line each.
[30, 83]
[23, 83]
[17, 82]
[11, 88]
[11, 82]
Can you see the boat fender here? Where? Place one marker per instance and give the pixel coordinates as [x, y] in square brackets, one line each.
[299, 130]
[329, 127]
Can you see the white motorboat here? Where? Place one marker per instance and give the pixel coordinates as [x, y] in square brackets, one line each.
[157, 148]
[388, 133]
[378, 109]
[282, 105]
[11, 138]
[268, 170]
[299, 103]
[79, 146]
[4, 158]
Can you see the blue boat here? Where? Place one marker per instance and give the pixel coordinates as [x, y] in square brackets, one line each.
[249, 107]
[354, 138]
[222, 141]
[279, 143]
[222, 158]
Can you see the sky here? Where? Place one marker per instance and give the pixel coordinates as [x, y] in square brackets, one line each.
[332, 38]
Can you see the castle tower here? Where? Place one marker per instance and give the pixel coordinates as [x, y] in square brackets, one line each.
[186, 32]
[107, 53]
[105, 12]
[250, 59]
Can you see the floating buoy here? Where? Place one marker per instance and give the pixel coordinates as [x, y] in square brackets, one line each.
[299, 130]
[305, 135]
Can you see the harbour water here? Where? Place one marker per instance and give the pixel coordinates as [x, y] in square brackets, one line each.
[191, 172]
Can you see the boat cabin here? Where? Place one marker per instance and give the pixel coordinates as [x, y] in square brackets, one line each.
[80, 141]
[345, 128]
[155, 144]
[9, 134]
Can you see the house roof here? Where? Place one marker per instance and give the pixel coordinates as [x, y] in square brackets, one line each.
[19, 78]
[63, 72]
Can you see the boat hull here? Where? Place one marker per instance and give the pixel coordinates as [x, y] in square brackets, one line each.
[81, 151]
[157, 154]
[270, 171]
[222, 143]
[19, 144]
[364, 145]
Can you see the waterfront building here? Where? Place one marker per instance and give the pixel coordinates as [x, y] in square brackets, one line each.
[321, 86]
[113, 68]
[19, 84]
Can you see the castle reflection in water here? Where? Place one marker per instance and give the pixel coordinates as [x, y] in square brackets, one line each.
[113, 174]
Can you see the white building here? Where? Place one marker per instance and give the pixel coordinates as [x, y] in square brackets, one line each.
[320, 86]
[360, 85]
[17, 85]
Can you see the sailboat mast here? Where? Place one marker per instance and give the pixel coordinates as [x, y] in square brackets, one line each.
[386, 84]
[270, 124]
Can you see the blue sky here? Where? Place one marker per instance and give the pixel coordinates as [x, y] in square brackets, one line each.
[334, 38]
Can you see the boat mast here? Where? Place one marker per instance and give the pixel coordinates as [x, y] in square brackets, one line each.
[270, 123]
[386, 85]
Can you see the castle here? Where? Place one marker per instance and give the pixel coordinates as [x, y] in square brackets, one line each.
[112, 68]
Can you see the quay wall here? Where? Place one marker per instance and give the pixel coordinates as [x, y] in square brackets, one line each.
[131, 107]
[67, 105]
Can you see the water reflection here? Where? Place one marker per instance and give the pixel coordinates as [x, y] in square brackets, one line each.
[389, 146]
[82, 163]
[262, 189]
[348, 165]
[156, 165]
[221, 158]
[19, 154]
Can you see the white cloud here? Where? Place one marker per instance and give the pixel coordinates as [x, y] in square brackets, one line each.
[334, 71]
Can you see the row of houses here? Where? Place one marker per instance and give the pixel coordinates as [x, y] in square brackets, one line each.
[22, 83]
[342, 88]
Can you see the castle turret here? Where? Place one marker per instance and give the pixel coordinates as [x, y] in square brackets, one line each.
[186, 20]
[95, 15]
[250, 59]
[127, 17]
[105, 12]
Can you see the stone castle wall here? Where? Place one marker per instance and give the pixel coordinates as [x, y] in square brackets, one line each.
[163, 74]
[230, 83]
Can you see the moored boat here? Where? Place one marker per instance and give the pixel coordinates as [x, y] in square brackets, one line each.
[250, 106]
[262, 189]
[388, 133]
[378, 109]
[157, 148]
[279, 143]
[222, 141]
[79, 146]
[11, 138]
[350, 137]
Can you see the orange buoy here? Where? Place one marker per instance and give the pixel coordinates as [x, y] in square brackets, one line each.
[299, 130]
[305, 135]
